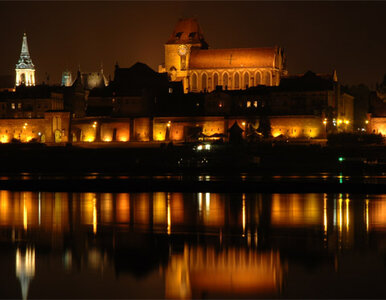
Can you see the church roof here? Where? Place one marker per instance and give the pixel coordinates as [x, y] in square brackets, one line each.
[232, 58]
[187, 31]
[24, 61]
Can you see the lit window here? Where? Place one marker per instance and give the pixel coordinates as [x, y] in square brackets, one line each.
[248, 103]
[13, 106]
[19, 105]
[170, 90]
[255, 103]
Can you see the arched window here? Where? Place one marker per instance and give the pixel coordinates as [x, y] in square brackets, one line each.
[258, 78]
[204, 82]
[246, 80]
[267, 78]
[194, 82]
[22, 78]
[237, 81]
[225, 81]
[215, 80]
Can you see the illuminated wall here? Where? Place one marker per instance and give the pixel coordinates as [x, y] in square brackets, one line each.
[377, 125]
[298, 126]
[141, 130]
[22, 129]
[88, 132]
[122, 131]
[177, 127]
[39, 129]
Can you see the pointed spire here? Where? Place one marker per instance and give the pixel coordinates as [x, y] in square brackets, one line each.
[25, 61]
[24, 47]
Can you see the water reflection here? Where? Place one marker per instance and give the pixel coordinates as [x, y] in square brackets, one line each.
[186, 245]
[206, 272]
[25, 268]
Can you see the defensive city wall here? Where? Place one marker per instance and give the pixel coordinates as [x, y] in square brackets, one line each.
[55, 128]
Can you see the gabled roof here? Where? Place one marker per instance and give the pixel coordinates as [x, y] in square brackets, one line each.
[138, 77]
[187, 31]
[307, 82]
[232, 58]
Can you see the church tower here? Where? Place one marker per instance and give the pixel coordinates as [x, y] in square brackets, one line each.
[187, 35]
[25, 69]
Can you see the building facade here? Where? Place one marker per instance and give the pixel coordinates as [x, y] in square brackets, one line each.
[188, 59]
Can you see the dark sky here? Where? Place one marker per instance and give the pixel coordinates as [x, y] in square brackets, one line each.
[317, 36]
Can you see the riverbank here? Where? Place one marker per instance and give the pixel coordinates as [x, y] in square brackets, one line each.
[192, 157]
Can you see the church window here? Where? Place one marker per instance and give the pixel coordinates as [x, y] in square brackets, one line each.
[237, 81]
[178, 35]
[246, 80]
[266, 78]
[203, 83]
[191, 35]
[225, 81]
[215, 80]
[258, 78]
[194, 81]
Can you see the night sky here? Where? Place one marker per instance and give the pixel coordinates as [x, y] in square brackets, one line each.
[317, 36]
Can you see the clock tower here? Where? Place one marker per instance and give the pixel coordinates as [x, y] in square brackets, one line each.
[187, 34]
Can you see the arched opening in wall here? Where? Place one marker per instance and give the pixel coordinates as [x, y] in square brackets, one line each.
[266, 78]
[194, 82]
[42, 138]
[246, 80]
[215, 80]
[204, 80]
[225, 81]
[237, 81]
[258, 78]
[58, 136]
[22, 78]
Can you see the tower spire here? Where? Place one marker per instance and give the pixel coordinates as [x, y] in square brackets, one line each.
[24, 47]
[25, 69]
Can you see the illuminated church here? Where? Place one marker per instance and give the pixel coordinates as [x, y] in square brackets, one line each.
[25, 69]
[189, 59]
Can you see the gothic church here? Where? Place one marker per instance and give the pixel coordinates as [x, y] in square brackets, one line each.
[188, 59]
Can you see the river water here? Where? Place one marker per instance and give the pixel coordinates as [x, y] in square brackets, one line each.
[192, 245]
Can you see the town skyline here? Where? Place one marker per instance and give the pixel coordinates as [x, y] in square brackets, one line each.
[98, 39]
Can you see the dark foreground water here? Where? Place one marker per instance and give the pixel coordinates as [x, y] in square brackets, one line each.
[192, 245]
